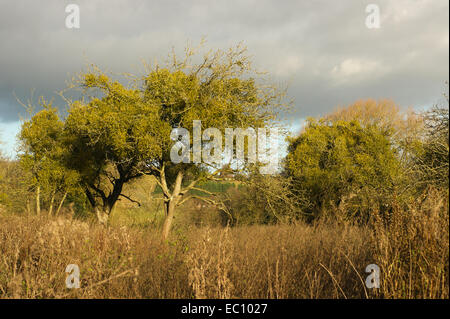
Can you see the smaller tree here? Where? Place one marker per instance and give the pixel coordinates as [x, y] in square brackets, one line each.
[3, 195]
[343, 161]
[14, 189]
[404, 127]
[432, 163]
[43, 154]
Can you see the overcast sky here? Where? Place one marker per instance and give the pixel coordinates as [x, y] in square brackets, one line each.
[323, 49]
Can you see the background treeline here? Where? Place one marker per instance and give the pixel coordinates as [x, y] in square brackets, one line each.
[367, 157]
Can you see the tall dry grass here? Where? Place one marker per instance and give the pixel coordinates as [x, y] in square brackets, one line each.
[412, 249]
[323, 260]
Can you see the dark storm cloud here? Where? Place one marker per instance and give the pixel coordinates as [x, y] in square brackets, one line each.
[322, 48]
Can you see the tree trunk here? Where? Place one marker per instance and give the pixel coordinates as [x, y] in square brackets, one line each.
[170, 215]
[28, 207]
[61, 203]
[38, 200]
[170, 205]
[102, 212]
[50, 209]
[102, 216]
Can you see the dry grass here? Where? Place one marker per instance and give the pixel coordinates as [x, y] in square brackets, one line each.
[413, 249]
[324, 260]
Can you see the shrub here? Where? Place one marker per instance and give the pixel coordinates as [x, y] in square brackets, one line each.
[343, 161]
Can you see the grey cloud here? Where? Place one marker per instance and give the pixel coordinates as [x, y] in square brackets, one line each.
[322, 48]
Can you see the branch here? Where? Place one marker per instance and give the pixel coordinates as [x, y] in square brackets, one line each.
[204, 191]
[193, 183]
[189, 187]
[220, 205]
[131, 200]
[99, 191]
[185, 200]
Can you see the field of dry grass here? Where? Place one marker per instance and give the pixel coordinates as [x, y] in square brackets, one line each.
[322, 260]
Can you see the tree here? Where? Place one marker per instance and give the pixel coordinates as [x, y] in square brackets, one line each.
[265, 199]
[44, 155]
[432, 163]
[342, 161]
[118, 133]
[404, 127]
[3, 195]
[109, 138]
